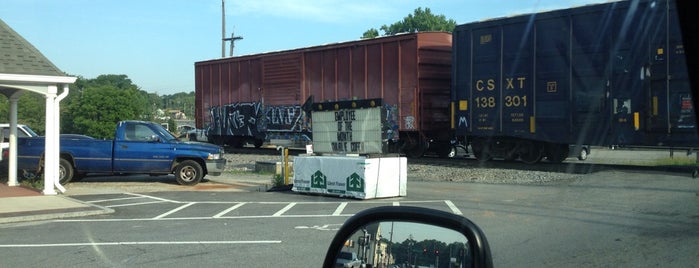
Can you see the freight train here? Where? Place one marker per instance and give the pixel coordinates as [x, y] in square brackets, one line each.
[525, 87]
[266, 97]
[529, 86]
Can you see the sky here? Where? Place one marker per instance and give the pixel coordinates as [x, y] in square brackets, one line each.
[157, 42]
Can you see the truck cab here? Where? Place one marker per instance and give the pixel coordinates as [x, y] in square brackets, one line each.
[22, 132]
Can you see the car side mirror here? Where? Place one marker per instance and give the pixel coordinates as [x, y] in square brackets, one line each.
[408, 236]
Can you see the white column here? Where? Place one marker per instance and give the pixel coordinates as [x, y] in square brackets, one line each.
[12, 161]
[57, 122]
[51, 149]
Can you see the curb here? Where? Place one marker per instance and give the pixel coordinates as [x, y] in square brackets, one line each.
[53, 214]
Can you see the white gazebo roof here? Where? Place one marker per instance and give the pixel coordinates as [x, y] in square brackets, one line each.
[23, 68]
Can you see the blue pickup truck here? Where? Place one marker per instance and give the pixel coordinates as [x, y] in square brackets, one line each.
[138, 147]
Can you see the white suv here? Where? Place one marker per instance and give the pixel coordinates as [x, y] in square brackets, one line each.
[22, 131]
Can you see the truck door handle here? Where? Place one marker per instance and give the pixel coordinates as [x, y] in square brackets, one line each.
[124, 146]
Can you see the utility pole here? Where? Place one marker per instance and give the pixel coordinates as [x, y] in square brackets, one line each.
[223, 32]
[232, 40]
[223, 28]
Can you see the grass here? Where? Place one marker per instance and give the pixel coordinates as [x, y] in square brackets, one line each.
[237, 171]
[277, 180]
[36, 183]
[673, 162]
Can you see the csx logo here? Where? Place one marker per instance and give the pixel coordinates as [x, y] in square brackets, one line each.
[510, 83]
[488, 84]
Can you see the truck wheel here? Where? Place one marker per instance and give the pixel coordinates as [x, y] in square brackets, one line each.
[65, 171]
[189, 172]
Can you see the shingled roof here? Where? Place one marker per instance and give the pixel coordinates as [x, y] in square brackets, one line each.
[18, 56]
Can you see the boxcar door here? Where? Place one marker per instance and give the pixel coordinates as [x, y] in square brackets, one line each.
[671, 119]
[628, 102]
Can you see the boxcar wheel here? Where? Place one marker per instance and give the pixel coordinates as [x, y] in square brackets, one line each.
[189, 172]
[531, 153]
[415, 151]
[413, 148]
[481, 150]
[258, 143]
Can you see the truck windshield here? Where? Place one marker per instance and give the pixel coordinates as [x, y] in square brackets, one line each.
[163, 132]
[31, 132]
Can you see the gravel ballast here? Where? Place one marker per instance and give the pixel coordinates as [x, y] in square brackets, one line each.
[424, 172]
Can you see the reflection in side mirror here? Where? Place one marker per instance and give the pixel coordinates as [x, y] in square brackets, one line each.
[408, 237]
[404, 244]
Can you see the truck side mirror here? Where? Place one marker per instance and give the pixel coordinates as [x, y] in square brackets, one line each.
[155, 138]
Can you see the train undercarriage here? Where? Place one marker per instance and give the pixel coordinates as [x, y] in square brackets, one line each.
[527, 151]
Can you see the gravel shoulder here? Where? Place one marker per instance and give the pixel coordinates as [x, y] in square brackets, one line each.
[244, 163]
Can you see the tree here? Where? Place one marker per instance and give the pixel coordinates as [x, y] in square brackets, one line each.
[98, 104]
[371, 33]
[94, 106]
[31, 111]
[172, 126]
[420, 21]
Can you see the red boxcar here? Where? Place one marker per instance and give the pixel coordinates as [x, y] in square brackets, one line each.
[410, 72]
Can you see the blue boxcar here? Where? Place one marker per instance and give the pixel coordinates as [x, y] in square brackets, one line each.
[528, 86]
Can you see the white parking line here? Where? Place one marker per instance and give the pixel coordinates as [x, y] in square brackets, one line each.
[154, 197]
[453, 207]
[338, 212]
[115, 199]
[285, 209]
[205, 218]
[340, 208]
[174, 210]
[135, 204]
[228, 210]
[325, 227]
[167, 243]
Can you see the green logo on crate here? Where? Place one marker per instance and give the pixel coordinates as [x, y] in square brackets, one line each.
[355, 183]
[319, 180]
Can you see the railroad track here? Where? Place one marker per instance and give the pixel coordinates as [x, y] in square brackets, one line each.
[570, 166]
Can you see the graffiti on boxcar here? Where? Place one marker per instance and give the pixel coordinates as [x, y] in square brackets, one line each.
[255, 119]
[409, 122]
[242, 119]
[391, 124]
[284, 118]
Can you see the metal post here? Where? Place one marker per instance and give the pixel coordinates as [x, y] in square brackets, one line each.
[286, 166]
[223, 28]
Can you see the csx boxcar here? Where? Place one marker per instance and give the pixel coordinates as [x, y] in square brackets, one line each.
[528, 86]
[260, 97]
